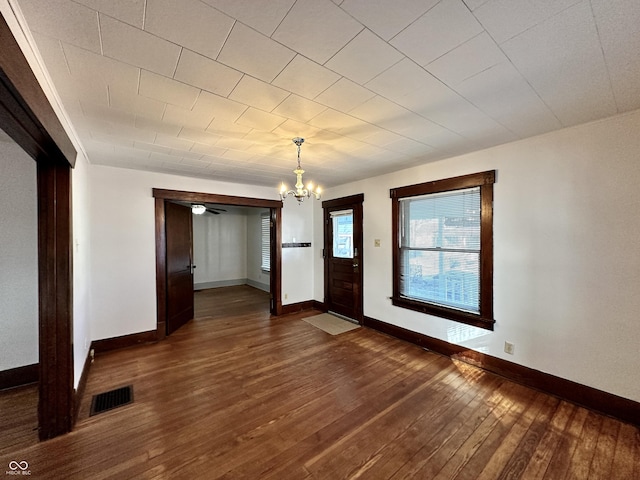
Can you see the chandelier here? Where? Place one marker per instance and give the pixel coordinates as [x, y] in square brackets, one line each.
[300, 192]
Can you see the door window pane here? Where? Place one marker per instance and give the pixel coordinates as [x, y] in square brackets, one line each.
[342, 223]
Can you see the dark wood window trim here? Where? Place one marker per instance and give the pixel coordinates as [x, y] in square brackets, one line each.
[161, 196]
[485, 181]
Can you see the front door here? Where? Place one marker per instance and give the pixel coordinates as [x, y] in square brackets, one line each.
[343, 256]
[179, 233]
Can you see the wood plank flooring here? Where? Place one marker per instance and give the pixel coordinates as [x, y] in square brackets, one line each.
[237, 394]
[18, 419]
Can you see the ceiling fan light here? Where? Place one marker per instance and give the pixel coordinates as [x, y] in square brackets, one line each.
[198, 209]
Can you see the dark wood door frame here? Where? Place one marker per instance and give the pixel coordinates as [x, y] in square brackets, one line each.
[162, 196]
[28, 118]
[355, 201]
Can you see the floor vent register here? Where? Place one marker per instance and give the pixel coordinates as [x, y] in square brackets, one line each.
[106, 401]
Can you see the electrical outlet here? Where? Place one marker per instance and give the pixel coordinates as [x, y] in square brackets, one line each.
[509, 348]
[286, 295]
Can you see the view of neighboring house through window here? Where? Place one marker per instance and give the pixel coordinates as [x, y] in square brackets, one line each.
[265, 225]
[443, 260]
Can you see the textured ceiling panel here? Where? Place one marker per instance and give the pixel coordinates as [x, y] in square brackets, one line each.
[316, 29]
[562, 60]
[207, 74]
[388, 19]
[66, 21]
[150, 53]
[438, 31]
[254, 53]
[364, 57]
[218, 88]
[261, 15]
[193, 24]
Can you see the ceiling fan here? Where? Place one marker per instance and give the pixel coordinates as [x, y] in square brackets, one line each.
[199, 209]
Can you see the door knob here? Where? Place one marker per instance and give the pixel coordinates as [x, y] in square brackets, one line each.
[355, 263]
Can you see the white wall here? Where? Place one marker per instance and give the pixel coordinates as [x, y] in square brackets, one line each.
[81, 200]
[227, 248]
[81, 327]
[297, 262]
[18, 258]
[220, 247]
[566, 256]
[122, 236]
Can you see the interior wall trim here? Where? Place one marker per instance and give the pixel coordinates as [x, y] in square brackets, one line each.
[27, 116]
[161, 196]
[82, 384]
[297, 307]
[49, 135]
[124, 341]
[319, 306]
[603, 402]
[220, 283]
[200, 197]
[19, 376]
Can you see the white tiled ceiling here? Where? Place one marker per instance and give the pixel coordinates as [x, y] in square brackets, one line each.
[218, 88]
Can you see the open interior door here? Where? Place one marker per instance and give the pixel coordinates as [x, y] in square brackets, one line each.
[179, 234]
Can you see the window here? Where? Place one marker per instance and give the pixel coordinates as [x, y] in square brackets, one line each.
[342, 223]
[265, 227]
[443, 258]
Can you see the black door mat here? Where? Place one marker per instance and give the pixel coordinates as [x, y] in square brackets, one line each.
[112, 399]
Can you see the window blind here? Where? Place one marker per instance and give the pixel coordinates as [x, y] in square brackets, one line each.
[440, 248]
[265, 225]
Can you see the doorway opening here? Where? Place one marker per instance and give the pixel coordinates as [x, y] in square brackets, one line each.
[28, 118]
[231, 248]
[270, 209]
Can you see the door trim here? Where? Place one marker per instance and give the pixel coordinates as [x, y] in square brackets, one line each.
[163, 195]
[356, 201]
[27, 116]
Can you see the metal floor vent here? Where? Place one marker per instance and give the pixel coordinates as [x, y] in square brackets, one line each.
[112, 399]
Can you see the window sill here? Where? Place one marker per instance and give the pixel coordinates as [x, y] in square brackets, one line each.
[444, 312]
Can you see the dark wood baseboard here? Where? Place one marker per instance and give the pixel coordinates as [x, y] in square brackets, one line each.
[297, 307]
[19, 376]
[116, 343]
[81, 386]
[319, 306]
[589, 397]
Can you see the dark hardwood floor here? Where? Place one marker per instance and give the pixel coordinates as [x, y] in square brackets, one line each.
[18, 419]
[237, 394]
